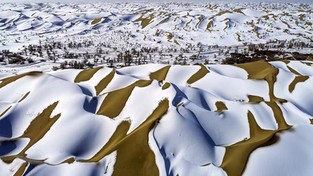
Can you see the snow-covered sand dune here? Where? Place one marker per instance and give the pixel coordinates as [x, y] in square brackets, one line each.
[158, 23]
[251, 119]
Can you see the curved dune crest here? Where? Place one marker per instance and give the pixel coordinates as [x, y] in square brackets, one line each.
[121, 122]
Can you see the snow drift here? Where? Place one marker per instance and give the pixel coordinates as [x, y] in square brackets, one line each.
[159, 120]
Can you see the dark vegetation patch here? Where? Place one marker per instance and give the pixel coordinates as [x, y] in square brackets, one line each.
[267, 55]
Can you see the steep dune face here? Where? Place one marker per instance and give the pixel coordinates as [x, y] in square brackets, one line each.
[159, 120]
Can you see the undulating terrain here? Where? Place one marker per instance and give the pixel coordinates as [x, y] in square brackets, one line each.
[156, 24]
[177, 115]
[251, 119]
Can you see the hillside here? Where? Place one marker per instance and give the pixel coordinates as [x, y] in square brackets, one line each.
[156, 24]
[251, 119]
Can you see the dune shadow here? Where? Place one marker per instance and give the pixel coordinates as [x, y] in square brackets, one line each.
[7, 147]
[85, 90]
[204, 103]
[165, 158]
[6, 127]
[84, 144]
[91, 105]
[179, 96]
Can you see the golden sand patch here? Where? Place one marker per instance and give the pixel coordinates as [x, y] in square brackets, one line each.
[115, 101]
[36, 130]
[134, 156]
[209, 25]
[166, 86]
[145, 21]
[297, 80]
[118, 136]
[21, 170]
[9, 80]
[293, 70]
[279, 117]
[140, 160]
[220, 106]
[200, 18]
[198, 75]
[160, 74]
[237, 155]
[86, 74]
[96, 21]
[261, 70]
[255, 99]
[104, 82]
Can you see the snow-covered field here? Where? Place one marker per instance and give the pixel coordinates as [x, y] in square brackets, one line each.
[251, 119]
[155, 24]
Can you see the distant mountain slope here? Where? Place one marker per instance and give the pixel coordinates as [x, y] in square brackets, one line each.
[250, 119]
[172, 23]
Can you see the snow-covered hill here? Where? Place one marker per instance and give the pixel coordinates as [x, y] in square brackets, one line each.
[251, 119]
[157, 24]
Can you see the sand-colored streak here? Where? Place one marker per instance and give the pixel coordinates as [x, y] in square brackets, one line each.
[21, 170]
[145, 21]
[237, 155]
[160, 74]
[24, 97]
[261, 70]
[279, 117]
[293, 71]
[297, 80]
[5, 111]
[198, 75]
[11, 79]
[86, 74]
[115, 101]
[104, 82]
[36, 130]
[255, 99]
[96, 21]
